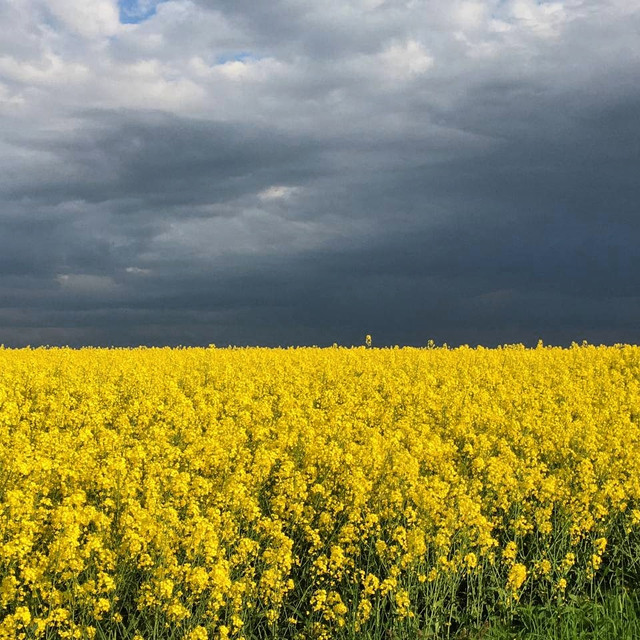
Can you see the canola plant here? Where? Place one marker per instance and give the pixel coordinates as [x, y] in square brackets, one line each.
[311, 493]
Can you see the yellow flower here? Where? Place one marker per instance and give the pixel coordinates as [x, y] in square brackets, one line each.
[544, 567]
[197, 633]
[371, 584]
[510, 551]
[517, 576]
[22, 615]
[177, 612]
[101, 606]
[364, 610]
[237, 483]
[402, 603]
[471, 560]
[600, 545]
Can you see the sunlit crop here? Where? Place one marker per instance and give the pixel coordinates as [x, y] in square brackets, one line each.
[309, 493]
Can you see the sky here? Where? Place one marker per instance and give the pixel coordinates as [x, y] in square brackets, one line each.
[290, 172]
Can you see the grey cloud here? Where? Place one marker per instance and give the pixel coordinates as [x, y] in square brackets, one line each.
[164, 159]
[486, 199]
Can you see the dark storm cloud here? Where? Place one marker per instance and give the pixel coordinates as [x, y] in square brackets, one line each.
[163, 159]
[318, 174]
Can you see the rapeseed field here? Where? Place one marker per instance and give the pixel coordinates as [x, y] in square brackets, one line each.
[313, 493]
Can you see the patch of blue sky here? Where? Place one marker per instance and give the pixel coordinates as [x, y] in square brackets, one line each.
[136, 11]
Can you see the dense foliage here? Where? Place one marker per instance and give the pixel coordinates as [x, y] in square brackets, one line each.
[311, 493]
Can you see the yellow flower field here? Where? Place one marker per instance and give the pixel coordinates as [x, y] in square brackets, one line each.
[310, 493]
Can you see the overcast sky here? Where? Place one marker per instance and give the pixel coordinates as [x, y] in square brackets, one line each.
[296, 172]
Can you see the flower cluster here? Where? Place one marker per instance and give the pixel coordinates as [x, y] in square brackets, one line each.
[222, 493]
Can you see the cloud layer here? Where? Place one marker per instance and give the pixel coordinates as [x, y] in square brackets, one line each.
[187, 172]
